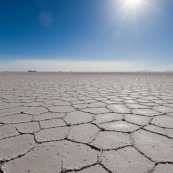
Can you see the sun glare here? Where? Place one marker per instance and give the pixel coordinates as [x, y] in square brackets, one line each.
[134, 3]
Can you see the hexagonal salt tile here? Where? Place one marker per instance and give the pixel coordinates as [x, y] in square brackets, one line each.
[15, 146]
[118, 108]
[96, 110]
[93, 169]
[137, 106]
[52, 134]
[50, 157]
[52, 123]
[145, 112]
[8, 131]
[18, 118]
[12, 111]
[126, 160]
[163, 168]
[163, 121]
[36, 110]
[122, 126]
[102, 118]
[30, 127]
[157, 147]
[163, 109]
[35, 104]
[96, 105]
[61, 109]
[111, 140]
[169, 132]
[137, 119]
[153, 128]
[78, 117]
[49, 115]
[83, 133]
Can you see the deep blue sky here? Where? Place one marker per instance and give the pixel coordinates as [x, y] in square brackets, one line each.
[85, 30]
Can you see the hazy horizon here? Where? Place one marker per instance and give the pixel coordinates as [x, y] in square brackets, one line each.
[79, 66]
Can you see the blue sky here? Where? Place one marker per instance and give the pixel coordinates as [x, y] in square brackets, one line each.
[76, 31]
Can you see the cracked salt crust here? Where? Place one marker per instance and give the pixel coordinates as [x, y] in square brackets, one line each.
[102, 123]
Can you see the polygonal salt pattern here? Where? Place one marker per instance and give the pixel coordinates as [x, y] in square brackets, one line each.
[51, 157]
[86, 122]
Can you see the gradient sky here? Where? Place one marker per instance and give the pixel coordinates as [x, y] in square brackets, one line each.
[79, 31]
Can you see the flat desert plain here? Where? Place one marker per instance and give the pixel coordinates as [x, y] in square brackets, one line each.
[86, 122]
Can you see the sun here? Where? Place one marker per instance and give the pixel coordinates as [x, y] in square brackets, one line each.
[134, 3]
[128, 6]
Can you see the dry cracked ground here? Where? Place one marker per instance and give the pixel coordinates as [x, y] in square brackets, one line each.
[86, 122]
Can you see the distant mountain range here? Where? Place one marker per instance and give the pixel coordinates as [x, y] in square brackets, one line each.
[167, 71]
[144, 71]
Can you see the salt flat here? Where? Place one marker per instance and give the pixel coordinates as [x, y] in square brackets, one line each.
[86, 122]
